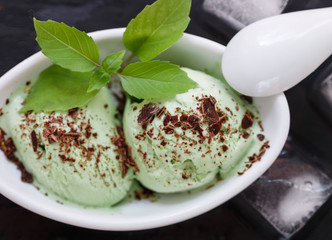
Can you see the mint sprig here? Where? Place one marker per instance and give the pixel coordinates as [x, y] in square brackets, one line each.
[67, 46]
[157, 28]
[110, 65]
[59, 89]
[98, 80]
[162, 79]
[79, 75]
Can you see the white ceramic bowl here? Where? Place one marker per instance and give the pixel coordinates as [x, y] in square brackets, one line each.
[191, 51]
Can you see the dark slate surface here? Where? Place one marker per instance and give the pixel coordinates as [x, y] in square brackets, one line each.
[310, 127]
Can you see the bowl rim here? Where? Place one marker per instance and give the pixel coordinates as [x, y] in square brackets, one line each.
[104, 222]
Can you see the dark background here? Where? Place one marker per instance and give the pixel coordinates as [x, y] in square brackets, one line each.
[310, 126]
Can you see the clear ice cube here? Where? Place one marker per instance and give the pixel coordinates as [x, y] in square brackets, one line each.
[290, 192]
[245, 12]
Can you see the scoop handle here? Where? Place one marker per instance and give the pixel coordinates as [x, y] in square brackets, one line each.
[274, 54]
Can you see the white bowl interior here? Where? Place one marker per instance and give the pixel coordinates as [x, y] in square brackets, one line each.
[191, 51]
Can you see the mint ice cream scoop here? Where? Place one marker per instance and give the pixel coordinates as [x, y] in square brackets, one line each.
[183, 142]
[75, 155]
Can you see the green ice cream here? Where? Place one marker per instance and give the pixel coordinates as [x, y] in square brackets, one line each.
[76, 154]
[183, 142]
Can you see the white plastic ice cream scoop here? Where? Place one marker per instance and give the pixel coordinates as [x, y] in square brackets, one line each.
[274, 54]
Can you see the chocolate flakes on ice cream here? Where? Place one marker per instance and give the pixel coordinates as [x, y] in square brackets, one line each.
[183, 142]
[168, 145]
[79, 155]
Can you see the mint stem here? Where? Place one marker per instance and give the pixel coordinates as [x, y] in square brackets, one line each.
[126, 62]
[97, 64]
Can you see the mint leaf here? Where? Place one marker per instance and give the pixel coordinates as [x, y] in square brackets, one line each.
[157, 28]
[112, 63]
[153, 80]
[58, 89]
[98, 80]
[67, 46]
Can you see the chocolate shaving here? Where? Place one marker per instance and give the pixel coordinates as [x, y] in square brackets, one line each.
[245, 135]
[229, 110]
[73, 112]
[184, 117]
[150, 133]
[169, 129]
[224, 148]
[208, 109]
[174, 119]
[247, 98]
[147, 111]
[152, 118]
[184, 176]
[89, 154]
[140, 136]
[143, 193]
[66, 159]
[247, 121]
[260, 137]
[166, 119]
[88, 131]
[125, 152]
[202, 139]
[73, 134]
[51, 134]
[214, 128]
[193, 120]
[8, 148]
[121, 98]
[256, 157]
[261, 125]
[34, 140]
[161, 111]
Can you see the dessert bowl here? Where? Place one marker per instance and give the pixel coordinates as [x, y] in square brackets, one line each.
[190, 51]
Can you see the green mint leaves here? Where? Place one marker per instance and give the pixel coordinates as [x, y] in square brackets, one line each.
[66, 46]
[110, 65]
[157, 28]
[98, 80]
[156, 79]
[59, 89]
[79, 75]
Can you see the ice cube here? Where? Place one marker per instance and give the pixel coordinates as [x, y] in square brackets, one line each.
[245, 12]
[290, 192]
